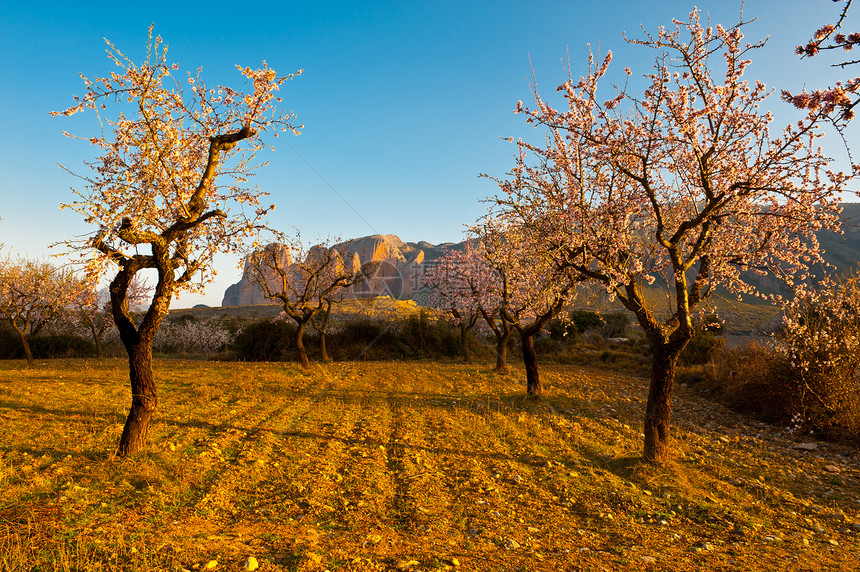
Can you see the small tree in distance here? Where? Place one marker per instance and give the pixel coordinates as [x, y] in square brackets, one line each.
[533, 287]
[156, 195]
[455, 283]
[686, 184]
[307, 287]
[32, 294]
[490, 289]
[92, 309]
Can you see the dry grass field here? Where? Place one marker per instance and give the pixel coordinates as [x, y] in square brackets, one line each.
[403, 466]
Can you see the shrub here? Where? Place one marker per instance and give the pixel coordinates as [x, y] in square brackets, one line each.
[705, 341]
[418, 336]
[366, 338]
[809, 375]
[10, 343]
[615, 325]
[414, 337]
[585, 320]
[754, 378]
[430, 338]
[550, 346]
[563, 331]
[608, 325]
[699, 349]
[594, 339]
[61, 346]
[265, 340]
[189, 335]
[609, 356]
[820, 337]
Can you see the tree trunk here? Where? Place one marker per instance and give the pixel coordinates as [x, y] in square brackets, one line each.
[502, 351]
[533, 387]
[658, 410]
[322, 329]
[464, 342]
[27, 353]
[144, 399]
[503, 334]
[300, 345]
[527, 336]
[323, 350]
[24, 344]
[97, 339]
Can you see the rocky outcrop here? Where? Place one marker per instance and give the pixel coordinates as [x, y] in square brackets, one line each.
[246, 292]
[398, 272]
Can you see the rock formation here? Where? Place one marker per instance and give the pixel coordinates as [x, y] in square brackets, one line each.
[399, 269]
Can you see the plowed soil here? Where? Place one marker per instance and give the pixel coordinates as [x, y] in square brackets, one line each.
[404, 466]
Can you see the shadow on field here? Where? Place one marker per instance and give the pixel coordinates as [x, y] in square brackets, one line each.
[57, 454]
[481, 405]
[65, 413]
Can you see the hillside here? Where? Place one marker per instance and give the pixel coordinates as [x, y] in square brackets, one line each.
[404, 466]
[843, 251]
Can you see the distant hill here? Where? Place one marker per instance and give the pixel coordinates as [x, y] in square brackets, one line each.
[843, 250]
[839, 250]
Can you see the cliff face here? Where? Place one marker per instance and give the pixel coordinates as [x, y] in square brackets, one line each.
[246, 292]
[400, 268]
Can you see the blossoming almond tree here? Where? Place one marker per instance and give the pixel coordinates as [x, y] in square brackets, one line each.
[840, 100]
[454, 279]
[466, 279]
[168, 191]
[533, 284]
[304, 288]
[686, 183]
[32, 294]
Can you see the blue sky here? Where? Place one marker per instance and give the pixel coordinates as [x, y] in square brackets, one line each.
[404, 103]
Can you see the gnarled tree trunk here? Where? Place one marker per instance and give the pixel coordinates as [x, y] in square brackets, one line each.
[502, 331]
[144, 398]
[658, 409]
[502, 352]
[97, 339]
[323, 350]
[138, 342]
[322, 329]
[527, 336]
[666, 347]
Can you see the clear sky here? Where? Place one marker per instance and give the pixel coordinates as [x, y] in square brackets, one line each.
[404, 102]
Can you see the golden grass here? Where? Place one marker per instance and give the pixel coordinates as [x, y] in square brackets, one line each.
[410, 466]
